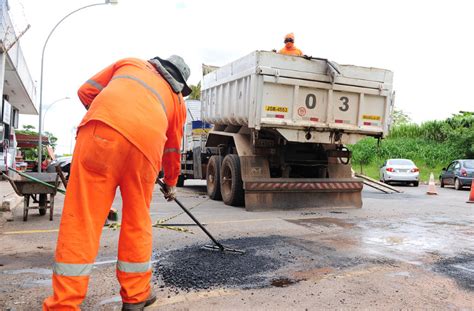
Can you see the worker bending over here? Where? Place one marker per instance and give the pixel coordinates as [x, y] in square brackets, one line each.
[133, 125]
[290, 48]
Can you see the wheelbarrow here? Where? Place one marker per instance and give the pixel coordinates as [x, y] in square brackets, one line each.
[40, 192]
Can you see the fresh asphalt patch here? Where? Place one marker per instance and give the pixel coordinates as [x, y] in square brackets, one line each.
[196, 268]
[460, 268]
[268, 261]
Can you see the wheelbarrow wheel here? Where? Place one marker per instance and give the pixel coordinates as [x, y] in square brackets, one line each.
[43, 203]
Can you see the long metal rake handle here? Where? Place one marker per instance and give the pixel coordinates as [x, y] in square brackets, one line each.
[221, 247]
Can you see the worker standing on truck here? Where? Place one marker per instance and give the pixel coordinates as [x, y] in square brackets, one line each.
[134, 122]
[290, 48]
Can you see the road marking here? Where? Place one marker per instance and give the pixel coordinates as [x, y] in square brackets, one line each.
[31, 231]
[209, 223]
[254, 220]
[243, 220]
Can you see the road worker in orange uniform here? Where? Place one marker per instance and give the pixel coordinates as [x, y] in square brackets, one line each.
[290, 48]
[133, 125]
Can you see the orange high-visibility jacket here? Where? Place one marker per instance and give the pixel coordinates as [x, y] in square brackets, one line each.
[134, 99]
[293, 51]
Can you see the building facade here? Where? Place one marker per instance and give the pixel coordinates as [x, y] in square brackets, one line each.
[17, 87]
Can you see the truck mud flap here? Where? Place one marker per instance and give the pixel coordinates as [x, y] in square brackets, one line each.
[290, 193]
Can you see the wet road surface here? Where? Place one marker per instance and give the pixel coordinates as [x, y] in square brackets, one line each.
[404, 250]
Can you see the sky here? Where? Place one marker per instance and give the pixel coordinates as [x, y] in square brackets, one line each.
[427, 44]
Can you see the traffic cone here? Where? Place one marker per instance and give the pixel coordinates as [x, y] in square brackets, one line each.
[471, 194]
[431, 186]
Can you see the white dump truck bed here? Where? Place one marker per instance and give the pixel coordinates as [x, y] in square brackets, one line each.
[294, 95]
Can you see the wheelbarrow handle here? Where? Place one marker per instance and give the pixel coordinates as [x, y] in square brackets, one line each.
[12, 183]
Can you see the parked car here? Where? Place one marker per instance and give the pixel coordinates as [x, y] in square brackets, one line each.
[459, 174]
[63, 162]
[400, 170]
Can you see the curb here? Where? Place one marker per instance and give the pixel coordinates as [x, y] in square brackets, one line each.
[8, 206]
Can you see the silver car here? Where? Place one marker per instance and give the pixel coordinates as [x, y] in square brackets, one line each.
[400, 170]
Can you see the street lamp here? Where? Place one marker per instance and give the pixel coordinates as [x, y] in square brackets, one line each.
[40, 127]
[48, 107]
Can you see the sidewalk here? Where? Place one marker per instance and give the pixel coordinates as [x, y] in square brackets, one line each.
[10, 200]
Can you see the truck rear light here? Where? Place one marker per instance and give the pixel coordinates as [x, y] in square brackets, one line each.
[390, 169]
[463, 173]
[279, 116]
[367, 123]
[414, 170]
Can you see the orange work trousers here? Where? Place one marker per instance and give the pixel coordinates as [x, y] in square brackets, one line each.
[103, 160]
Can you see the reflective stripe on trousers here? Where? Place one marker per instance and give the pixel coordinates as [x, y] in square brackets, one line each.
[72, 269]
[133, 267]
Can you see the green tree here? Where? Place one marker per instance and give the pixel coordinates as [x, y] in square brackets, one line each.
[399, 117]
[195, 92]
[28, 127]
[32, 153]
[364, 152]
[52, 139]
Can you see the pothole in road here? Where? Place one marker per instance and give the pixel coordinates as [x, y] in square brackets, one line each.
[283, 282]
[268, 261]
[195, 268]
[460, 268]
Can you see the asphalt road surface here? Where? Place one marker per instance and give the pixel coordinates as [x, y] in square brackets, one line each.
[400, 251]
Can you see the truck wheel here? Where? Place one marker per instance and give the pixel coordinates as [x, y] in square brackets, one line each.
[42, 211]
[213, 178]
[180, 182]
[232, 187]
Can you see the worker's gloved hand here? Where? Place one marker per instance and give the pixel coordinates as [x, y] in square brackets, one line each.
[274, 51]
[169, 192]
[307, 57]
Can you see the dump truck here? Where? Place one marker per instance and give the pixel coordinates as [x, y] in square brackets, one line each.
[280, 129]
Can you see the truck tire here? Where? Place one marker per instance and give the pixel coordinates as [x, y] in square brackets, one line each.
[213, 179]
[232, 187]
[180, 182]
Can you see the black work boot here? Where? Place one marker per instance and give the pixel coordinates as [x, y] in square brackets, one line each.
[139, 305]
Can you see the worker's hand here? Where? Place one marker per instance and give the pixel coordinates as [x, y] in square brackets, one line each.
[169, 192]
[274, 51]
[307, 57]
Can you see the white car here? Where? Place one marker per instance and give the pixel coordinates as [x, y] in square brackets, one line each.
[400, 170]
